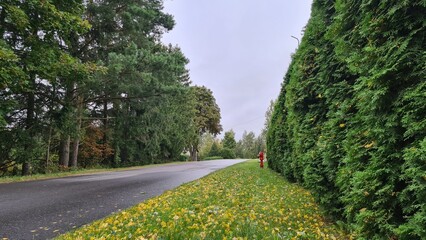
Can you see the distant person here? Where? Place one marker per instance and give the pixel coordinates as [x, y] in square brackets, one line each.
[261, 158]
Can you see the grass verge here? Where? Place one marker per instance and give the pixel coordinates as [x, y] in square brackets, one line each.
[239, 202]
[74, 173]
[212, 158]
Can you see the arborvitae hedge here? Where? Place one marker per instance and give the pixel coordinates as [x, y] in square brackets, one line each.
[350, 122]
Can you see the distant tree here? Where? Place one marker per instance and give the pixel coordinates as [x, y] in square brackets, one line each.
[227, 153]
[239, 151]
[246, 147]
[259, 144]
[229, 140]
[229, 145]
[260, 141]
[207, 117]
[215, 150]
[206, 142]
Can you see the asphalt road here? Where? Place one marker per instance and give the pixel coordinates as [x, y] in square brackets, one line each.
[44, 209]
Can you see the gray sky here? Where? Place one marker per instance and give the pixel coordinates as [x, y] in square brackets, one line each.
[240, 49]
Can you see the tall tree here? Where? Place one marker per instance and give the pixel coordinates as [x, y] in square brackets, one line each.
[144, 78]
[136, 98]
[38, 33]
[207, 117]
[12, 78]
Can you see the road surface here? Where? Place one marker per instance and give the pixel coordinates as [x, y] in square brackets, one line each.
[44, 209]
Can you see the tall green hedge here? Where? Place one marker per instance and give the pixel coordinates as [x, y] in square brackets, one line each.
[350, 121]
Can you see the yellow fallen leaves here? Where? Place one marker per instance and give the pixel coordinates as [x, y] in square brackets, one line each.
[240, 202]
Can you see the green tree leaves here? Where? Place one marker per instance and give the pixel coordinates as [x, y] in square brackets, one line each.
[206, 119]
[349, 122]
[38, 33]
[229, 140]
[207, 111]
[70, 69]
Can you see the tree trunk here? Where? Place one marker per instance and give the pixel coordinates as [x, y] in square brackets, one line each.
[124, 155]
[74, 152]
[194, 153]
[64, 151]
[105, 130]
[29, 127]
[49, 140]
[76, 140]
[26, 167]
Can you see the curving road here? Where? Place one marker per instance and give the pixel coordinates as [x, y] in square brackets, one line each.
[47, 208]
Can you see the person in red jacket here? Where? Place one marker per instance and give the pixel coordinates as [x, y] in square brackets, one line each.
[261, 158]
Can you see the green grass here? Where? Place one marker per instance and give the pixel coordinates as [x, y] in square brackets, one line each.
[239, 202]
[73, 173]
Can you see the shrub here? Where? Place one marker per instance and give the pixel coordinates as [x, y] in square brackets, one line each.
[227, 153]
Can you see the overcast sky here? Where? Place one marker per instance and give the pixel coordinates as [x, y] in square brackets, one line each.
[240, 49]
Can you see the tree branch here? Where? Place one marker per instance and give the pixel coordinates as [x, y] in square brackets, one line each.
[105, 98]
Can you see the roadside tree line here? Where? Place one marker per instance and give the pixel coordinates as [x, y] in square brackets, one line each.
[248, 147]
[89, 83]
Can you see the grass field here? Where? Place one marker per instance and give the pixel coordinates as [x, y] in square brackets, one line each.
[239, 202]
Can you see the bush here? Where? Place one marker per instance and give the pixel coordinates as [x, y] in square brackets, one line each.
[182, 158]
[227, 153]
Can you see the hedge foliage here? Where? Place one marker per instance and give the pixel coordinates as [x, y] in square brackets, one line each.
[350, 121]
